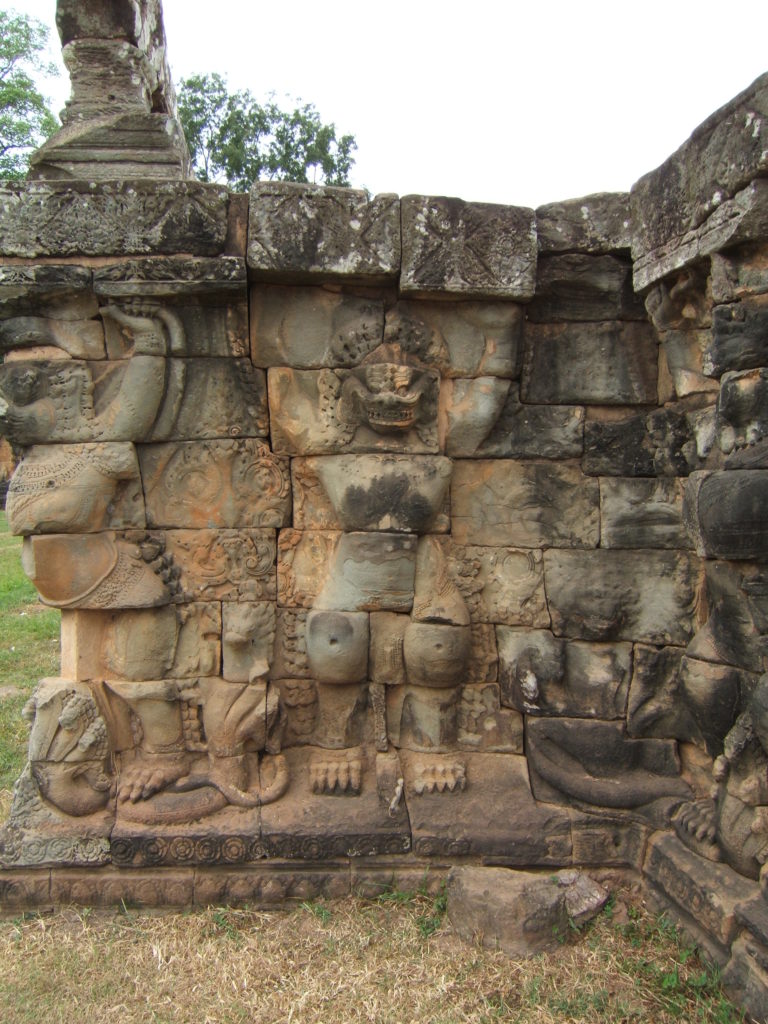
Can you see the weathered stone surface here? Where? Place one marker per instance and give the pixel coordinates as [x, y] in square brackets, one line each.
[492, 814]
[97, 570]
[478, 250]
[671, 203]
[727, 513]
[423, 718]
[740, 272]
[370, 572]
[584, 898]
[583, 763]
[673, 696]
[337, 646]
[484, 418]
[305, 232]
[317, 412]
[237, 483]
[75, 218]
[661, 443]
[79, 488]
[247, 635]
[609, 363]
[608, 841]
[519, 912]
[385, 492]
[541, 674]
[303, 563]
[169, 276]
[637, 513]
[176, 642]
[688, 361]
[436, 597]
[224, 565]
[307, 825]
[739, 333]
[81, 339]
[310, 328]
[745, 976]
[386, 661]
[270, 885]
[736, 628]
[742, 414]
[484, 726]
[595, 224]
[113, 887]
[580, 287]
[60, 291]
[24, 889]
[622, 595]
[525, 504]
[290, 654]
[500, 584]
[461, 339]
[708, 892]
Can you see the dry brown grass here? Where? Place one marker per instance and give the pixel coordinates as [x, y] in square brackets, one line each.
[346, 961]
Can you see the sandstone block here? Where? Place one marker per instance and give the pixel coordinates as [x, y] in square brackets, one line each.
[110, 887]
[661, 443]
[311, 328]
[581, 762]
[224, 565]
[423, 718]
[235, 483]
[707, 892]
[59, 291]
[318, 412]
[739, 333]
[725, 513]
[540, 674]
[489, 420]
[24, 889]
[484, 726]
[519, 912]
[80, 339]
[687, 356]
[477, 250]
[595, 224]
[609, 363]
[740, 272]
[371, 572]
[314, 232]
[745, 976]
[525, 504]
[503, 585]
[78, 488]
[175, 642]
[622, 595]
[304, 560]
[75, 218]
[247, 635]
[269, 885]
[579, 287]
[735, 630]
[608, 841]
[337, 646]
[637, 513]
[742, 415]
[492, 814]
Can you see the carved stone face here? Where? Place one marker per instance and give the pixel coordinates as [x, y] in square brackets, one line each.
[386, 396]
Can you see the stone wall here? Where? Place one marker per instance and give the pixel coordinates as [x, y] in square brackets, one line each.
[386, 532]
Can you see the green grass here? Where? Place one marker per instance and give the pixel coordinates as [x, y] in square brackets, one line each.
[29, 650]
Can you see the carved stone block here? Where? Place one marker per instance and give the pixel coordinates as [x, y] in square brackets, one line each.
[311, 328]
[737, 624]
[608, 841]
[310, 825]
[248, 634]
[636, 513]
[382, 407]
[290, 654]
[77, 488]
[98, 570]
[726, 513]
[215, 484]
[622, 595]
[478, 250]
[314, 232]
[174, 641]
[595, 224]
[707, 892]
[461, 339]
[590, 763]
[337, 646]
[576, 286]
[485, 419]
[304, 561]
[422, 717]
[484, 726]
[661, 443]
[739, 273]
[224, 565]
[77, 218]
[59, 291]
[371, 572]
[540, 674]
[493, 815]
[742, 415]
[500, 584]
[525, 504]
[738, 337]
[79, 339]
[608, 363]
[686, 355]
[673, 696]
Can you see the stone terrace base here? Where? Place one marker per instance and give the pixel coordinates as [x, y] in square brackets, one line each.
[724, 913]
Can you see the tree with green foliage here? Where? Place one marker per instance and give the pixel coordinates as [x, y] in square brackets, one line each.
[236, 140]
[25, 120]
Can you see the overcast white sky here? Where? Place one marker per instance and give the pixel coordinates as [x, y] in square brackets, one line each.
[510, 102]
